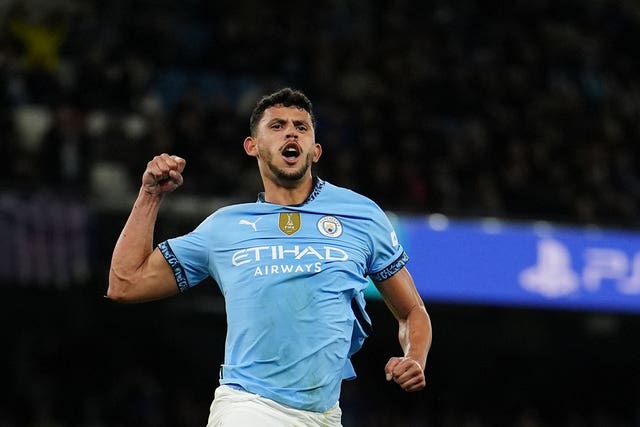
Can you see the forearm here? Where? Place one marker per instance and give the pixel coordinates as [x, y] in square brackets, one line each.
[415, 334]
[135, 243]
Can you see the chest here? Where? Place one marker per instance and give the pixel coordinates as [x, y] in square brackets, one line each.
[291, 244]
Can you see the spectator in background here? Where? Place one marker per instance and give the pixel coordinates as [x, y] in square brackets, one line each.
[65, 156]
[41, 34]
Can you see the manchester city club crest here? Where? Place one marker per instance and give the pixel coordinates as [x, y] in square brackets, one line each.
[330, 226]
[289, 222]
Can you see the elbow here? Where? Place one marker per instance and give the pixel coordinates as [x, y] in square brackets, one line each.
[119, 287]
[114, 294]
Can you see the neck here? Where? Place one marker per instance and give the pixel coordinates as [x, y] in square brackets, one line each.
[296, 194]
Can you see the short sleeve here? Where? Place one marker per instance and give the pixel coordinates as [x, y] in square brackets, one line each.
[388, 255]
[188, 256]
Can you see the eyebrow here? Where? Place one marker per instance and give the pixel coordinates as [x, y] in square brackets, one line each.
[295, 122]
[301, 122]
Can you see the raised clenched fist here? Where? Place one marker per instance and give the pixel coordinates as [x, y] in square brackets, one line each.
[163, 174]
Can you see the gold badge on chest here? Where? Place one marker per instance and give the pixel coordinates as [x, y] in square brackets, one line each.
[289, 222]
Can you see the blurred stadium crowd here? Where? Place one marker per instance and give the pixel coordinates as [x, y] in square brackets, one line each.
[518, 110]
[524, 110]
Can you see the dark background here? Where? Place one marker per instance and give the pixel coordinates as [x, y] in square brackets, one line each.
[520, 111]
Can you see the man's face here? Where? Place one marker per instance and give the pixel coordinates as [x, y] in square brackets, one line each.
[284, 144]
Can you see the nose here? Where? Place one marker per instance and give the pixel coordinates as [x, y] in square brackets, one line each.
[292, 132]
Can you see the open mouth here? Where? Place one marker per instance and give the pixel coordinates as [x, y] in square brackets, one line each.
[291, 152]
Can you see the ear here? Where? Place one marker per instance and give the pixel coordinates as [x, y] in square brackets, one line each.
[250, 146]
[318, 153]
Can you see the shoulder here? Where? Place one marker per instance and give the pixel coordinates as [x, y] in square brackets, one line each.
[349, 200]
[237, 209]
[228, 213]
[344, 194]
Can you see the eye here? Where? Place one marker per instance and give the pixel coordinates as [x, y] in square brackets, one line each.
[276, 126]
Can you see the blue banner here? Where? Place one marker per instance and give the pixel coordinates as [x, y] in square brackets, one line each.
[536, 265]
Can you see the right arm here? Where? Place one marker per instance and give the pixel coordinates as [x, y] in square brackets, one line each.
[139, 272]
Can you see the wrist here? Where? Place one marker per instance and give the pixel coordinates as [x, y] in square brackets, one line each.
[146, 196]
[146, 191]
[419, 360]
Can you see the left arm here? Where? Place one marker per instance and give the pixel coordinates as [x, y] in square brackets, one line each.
[414, 332]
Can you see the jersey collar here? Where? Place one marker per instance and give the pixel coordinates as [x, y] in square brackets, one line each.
[317, 187]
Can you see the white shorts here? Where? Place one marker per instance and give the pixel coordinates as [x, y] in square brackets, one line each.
[236, 408]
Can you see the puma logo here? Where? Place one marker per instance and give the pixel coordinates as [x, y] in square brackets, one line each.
[247, 222]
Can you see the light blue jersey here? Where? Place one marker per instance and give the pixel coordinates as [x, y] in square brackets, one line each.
[293, 279]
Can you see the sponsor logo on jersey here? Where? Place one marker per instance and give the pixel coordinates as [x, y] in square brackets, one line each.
[289, 222]
[330, 226]
[280, 252]
[250, 223]
[394, 239]
[280, 259]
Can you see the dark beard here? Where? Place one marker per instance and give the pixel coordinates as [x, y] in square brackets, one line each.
[290, 177]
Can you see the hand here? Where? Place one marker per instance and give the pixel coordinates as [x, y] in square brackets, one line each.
[163, 174]
[406, 372]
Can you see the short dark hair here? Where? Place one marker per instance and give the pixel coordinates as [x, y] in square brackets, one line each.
[286, 97]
